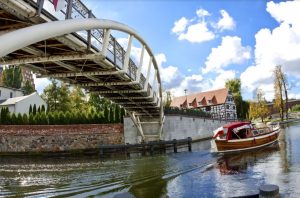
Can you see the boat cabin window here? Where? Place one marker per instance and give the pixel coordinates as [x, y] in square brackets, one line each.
[241, 134]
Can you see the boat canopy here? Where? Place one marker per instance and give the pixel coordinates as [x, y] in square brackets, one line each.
[234, 127]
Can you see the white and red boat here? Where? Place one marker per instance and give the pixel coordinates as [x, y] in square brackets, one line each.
[240, 136]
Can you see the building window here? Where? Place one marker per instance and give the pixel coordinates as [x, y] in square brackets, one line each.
[11, 94]
[227, 106]
[209, 101]
[190, 104]
[181, 105]
[200, 104]
[233, 107]
[0, 92]
[208, 108]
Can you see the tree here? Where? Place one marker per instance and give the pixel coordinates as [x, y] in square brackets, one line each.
[28, 88]
[234, 86]
[259, 109]
[12, 77]
[43, 109]
[34, 109]
[280, 87]
[57, 96]
[30, 109]
[77, 99]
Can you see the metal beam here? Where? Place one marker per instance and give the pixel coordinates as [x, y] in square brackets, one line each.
[106, 84]
[76, 74]
[127, 54]
[131, 98]
[139, 107]
[105, 42]
[54, 58]
[145, 102]
[119, 91]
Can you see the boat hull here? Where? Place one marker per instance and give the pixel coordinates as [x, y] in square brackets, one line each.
[223, 146]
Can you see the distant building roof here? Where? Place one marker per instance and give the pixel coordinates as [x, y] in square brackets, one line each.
[208, 98]
[12, 101]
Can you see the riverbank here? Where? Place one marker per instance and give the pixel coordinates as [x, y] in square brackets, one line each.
[38, 139]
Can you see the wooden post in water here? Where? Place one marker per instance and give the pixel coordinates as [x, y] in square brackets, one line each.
[175, 145]
[190, 144]
[268, 191]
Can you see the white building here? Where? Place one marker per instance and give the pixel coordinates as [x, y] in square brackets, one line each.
[6, 93]
[21, 104]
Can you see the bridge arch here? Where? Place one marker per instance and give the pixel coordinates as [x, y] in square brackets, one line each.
[24, 37]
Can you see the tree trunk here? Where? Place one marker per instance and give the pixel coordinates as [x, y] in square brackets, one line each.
[286, 99]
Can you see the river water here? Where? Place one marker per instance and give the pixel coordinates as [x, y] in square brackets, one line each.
[185, 174]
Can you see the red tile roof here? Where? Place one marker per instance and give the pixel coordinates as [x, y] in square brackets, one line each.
[216, 96]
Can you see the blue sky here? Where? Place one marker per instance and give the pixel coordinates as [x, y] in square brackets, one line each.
[200, 44]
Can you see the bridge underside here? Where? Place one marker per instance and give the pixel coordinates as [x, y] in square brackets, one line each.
[74, 59]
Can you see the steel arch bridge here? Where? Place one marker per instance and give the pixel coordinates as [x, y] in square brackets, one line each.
[83, 52]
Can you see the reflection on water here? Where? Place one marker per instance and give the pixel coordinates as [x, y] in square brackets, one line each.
[185, 174]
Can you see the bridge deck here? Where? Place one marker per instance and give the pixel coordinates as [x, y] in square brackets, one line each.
[103, 75]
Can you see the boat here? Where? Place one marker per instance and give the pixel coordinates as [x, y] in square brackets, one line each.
[241, 136]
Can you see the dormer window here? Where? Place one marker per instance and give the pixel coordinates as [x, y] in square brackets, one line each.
[209, 101]
[199, 103]
[190, 104]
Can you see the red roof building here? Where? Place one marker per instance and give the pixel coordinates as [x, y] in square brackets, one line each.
[219, 103]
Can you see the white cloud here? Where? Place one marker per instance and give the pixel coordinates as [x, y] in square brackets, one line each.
[197, 33]
[202, 13]
[278, 46]
[180, 25]
[194, 31]
[193, 83]
[229, 52]
[219, 81]
[226, 22]
[201, 28]
[40, 83]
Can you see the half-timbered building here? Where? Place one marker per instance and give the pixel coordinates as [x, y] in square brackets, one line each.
[219, 103]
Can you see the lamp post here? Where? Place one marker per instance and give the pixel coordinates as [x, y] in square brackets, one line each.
[185, 90]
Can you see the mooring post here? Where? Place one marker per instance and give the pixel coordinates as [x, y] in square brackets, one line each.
[101, 152]
[175, 145]
[190, 144]
[268, 191]
[151, 149]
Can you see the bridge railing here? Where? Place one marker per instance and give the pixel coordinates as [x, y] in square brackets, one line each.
[116, 53]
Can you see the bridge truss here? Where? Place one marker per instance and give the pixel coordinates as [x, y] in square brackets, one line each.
[83, 52]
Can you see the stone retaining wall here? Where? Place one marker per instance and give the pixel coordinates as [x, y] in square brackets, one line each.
[58, 138]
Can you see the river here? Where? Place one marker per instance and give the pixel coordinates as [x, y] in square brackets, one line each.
[185, 174]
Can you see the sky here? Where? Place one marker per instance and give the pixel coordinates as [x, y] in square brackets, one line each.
[200, 44]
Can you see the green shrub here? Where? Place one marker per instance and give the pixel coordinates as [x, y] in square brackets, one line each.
[31, 119]
[43, 118]
[34, 109]
[20, 119]
[14, 120]
[30, 109]
[25, 119]
[295, 108]
[51, 118]
[43, 109]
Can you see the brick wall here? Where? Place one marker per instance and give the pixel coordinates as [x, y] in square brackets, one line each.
[56, 138]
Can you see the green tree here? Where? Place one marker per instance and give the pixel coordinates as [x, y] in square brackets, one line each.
[259, 109]
[14, 120]
[31, 119]
[77, 99]
[117, 114]
[28, 88]
[25, 119]
[20, 119]
[30, 109]
[280, 87]
[57, 96]
[34, 110]
[43, 110]
[234, 86]
[12, 77]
